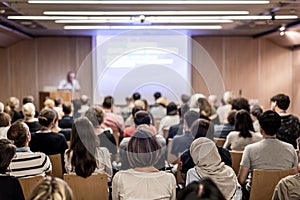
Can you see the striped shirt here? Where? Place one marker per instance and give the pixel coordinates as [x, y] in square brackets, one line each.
[27, 163]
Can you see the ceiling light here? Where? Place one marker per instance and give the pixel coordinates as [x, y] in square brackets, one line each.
[241, 17]
[286, 17]
[64, 18]
[146, 20]
[237, 2]
[131, 13]
[140, 27]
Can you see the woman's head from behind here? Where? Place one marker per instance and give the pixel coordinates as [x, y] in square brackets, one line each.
[243, 123]
[83, 145]
[7, 152]
[204, 152]
[96, 115]
[28, 110]
[206, 189]
[47, 117]
[51, 188]
[143, 149]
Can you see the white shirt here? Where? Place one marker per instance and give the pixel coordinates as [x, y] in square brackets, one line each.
[65, 85]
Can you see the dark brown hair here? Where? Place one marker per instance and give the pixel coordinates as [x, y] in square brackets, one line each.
[7, 152]
[83, 145]
[4, 119]
[143, 149]
[18, 133]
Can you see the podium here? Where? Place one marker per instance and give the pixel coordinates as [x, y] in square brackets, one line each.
[64, 95]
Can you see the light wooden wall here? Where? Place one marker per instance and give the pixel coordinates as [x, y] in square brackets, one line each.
[29, 65]
[256, 67]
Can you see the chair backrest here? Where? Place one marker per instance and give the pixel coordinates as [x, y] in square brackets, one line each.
[90, 188]
[265, 181]
[219, 141]
[236, 157]
[57, 170]
[170, 157]
[29, 183]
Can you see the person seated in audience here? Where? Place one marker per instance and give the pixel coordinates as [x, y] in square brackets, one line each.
[223, 111]
[58, 107]
[267, 154]
[194, 105]
[140, 117]
[67, 120]
[143, 152]
[244, 132]
[212, 100]
[130, 120]
[159, 111]
[202, 128]
[182, 142]
[28, 111]
[288, 188]
[206, 188]
[10, 187]
[289, 130]
[126, 110]
[49, 103]
[5, 121]
[56, 129]
[240, 103]
[85, 156]
[147, 108]
[45, 140]
[222, 130]
[1, 107]
[112, 120]
[96, 115]
[255, 112]
[156, 96]
[51, 188]
[12, 107]
[177, 129]
[144, 124]
[170, 119]
[208, 164]
[136, 96]
[26, 163]
[208, 111]
[84, 99]
[28, 99]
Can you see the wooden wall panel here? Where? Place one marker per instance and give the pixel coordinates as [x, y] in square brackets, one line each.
[30, 65]
[296, 82]
[84, 65]
[209, 49]
[241, 66]
[4, 77]
[22, 65]
[56, 56]
[275, 72]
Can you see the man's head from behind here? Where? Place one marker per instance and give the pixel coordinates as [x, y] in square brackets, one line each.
[282, 101]
[19, 133]
[108, 102]
[270, 122]
[142, 117]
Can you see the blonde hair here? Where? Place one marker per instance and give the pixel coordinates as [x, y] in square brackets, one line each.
[49, 103]
[28, 110]
[228, 97]
[13, 102]
[51, 188]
